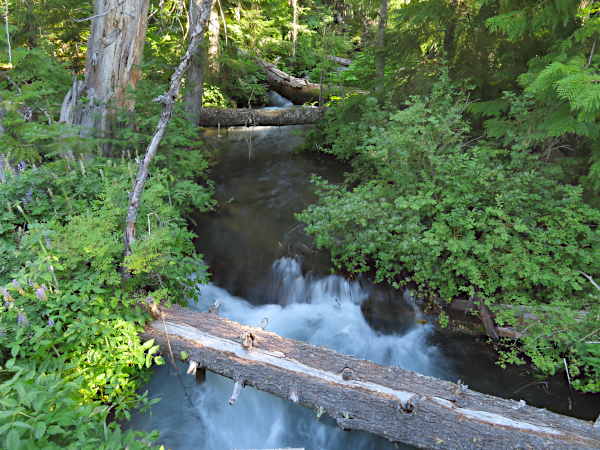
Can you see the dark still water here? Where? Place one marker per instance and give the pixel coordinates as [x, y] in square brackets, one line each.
[263, 265]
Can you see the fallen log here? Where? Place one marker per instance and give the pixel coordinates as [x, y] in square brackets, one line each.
[229, 117]
[298, 90]
[397, 404]
[341, 61]
[477, 306]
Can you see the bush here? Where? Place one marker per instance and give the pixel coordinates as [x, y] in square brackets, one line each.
[460, 216]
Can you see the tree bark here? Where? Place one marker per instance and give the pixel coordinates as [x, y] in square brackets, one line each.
[294, 27]
[297, 90]
[230, 117]
[384, 11]
[214, 45]
[168, 102]
[195, 75]
[450, 31]
[399, 405]
[114, 55]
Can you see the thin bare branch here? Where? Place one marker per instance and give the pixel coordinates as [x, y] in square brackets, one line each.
[99, 15]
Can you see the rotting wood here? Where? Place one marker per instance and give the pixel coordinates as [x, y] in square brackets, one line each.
[229, 117]
[397, 404]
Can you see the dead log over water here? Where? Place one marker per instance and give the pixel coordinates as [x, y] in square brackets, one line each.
[229, 117]
[392, 402]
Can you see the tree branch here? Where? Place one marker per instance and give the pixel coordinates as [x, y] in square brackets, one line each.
[168, 102]
[99, 15]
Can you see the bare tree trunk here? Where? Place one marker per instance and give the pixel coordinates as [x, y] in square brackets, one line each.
[294, 27]
[381, 28]
[214, 44]
[195, 76]
[114, 55]
[168, 102]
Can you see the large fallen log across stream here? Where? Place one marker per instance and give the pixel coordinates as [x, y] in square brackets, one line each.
[229, 117]
[392, 402]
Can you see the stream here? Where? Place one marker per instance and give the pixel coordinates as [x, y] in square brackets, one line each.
[262, 264]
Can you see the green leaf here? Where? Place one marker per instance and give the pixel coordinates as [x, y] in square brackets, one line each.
[13, 440]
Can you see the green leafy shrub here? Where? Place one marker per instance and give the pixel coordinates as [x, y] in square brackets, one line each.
[458, 216]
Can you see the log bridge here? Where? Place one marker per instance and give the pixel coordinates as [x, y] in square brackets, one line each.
[392, 402]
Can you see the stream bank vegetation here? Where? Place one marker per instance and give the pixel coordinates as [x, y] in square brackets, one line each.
[494, 199]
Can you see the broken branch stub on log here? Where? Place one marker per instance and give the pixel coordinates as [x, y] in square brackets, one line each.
[399, 405]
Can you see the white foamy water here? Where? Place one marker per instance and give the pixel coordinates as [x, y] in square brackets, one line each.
[322, 310]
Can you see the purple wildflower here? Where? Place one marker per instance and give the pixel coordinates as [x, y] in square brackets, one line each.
[34, 168]
[28, 195]
[41, 292]
[22, 320]
[5, 293]
[24, 200]
[15, 283]
[7, 305]
[22, 165]
[2, 332]
[48, 243]
[50, 322]
[30, 283]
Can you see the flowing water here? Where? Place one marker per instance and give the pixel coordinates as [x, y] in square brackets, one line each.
[263, 265]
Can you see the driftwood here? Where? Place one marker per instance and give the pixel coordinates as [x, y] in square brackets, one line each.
[229, 117]
[399, 405]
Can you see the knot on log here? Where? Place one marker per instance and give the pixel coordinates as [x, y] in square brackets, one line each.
[349, 374]
[214, 309]
[406, 405]
[294, 397]
[248, 340]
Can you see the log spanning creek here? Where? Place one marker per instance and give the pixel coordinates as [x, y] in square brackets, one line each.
[264, 266]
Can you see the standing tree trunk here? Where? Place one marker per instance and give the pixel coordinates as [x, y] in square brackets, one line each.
[168, 102]
[294, 27]
[195, 76]
[381, 28]
[450, 31]
[214, 44]
[114, 55]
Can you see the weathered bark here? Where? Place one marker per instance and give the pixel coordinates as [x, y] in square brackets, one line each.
[214, 45]
[399, 405]
[195, 75]
[294, 27]
[114, 56]
[384, 11]
[168, 102]
[298, 90]
[229, 117]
